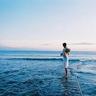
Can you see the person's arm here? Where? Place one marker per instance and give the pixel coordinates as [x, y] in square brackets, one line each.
[61, 54]
[69, 52]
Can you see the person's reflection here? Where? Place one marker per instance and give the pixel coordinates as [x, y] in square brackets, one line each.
[65, 83]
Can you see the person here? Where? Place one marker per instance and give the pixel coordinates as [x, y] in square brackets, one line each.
[65, 54]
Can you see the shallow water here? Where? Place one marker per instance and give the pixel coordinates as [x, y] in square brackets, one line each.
[32, 73]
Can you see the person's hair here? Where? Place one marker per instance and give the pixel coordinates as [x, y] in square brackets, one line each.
[64, 44]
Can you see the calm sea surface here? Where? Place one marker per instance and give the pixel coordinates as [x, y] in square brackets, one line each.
[41, 73]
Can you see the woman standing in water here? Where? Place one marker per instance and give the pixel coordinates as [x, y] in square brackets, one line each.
[65, 54]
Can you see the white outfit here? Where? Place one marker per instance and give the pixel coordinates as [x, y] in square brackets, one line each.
[65, 59]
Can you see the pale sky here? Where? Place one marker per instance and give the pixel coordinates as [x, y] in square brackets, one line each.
[46, 24]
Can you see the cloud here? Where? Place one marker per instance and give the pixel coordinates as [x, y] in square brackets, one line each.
[83, 43]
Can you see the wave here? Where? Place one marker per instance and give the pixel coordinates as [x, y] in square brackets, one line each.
[75, 59]
[48, 58]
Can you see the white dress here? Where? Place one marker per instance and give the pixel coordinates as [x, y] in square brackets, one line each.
[65, 59]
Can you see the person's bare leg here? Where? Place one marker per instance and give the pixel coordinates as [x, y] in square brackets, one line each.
[66, 72]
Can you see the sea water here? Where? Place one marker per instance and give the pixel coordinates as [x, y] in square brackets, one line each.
[41, 73]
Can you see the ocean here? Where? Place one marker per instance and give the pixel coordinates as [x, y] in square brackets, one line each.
[41, 73]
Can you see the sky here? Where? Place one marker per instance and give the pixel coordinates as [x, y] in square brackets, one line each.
[46, 24]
